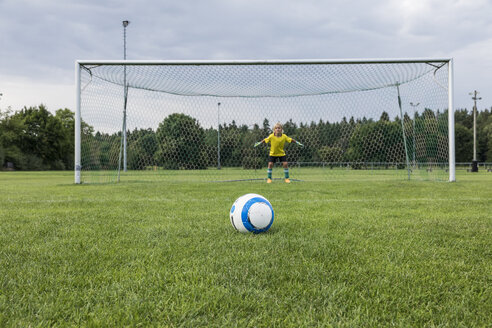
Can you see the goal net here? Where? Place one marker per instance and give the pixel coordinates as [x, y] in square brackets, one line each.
[199, 120]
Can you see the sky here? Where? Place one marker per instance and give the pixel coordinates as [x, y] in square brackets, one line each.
[40, 40]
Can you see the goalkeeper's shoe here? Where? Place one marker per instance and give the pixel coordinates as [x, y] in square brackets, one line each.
[269, 180]
[287, 180]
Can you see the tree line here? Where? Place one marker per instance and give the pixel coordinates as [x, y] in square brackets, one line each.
[35, 139]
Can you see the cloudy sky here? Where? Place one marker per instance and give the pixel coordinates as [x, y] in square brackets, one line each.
[40, 40]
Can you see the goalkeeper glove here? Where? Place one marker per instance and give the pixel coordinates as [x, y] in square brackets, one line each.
[257, 143]
[300, 144]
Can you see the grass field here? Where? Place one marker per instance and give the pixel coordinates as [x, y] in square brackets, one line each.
[304, 173]
[348, 253]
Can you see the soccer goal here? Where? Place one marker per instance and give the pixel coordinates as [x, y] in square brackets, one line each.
[199, 120]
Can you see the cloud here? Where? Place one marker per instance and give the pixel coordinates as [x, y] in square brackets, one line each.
[42, 39]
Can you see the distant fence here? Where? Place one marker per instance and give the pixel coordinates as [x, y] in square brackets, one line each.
[486, 166]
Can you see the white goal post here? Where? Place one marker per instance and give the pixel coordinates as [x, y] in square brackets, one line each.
[229, 102]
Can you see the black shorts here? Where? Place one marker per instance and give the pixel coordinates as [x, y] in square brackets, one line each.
[277, 159]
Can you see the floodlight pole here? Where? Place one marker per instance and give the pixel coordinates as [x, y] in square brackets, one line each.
[218, 136]
[414, 119]
[475, 98]
[125, 92]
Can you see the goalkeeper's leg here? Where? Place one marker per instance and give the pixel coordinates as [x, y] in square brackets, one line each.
[286, 171]
[269, 171]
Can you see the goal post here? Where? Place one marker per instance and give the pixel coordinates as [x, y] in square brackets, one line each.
[198, 120]
[451, 136]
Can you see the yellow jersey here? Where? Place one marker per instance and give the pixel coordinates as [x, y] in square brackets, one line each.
[277, 144]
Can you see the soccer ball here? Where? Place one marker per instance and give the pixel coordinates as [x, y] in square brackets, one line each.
[251, 213]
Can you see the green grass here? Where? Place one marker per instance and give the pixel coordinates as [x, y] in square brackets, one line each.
[343, 253]
[308, 174]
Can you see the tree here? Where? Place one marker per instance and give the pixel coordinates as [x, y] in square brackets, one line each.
[266, 127]
[67, 142]
[2, 156]
[11, 130]
[377, 142]
[142, 146]
[483, 138]
[230, 145]
[463, 143]
[464, 118]
[35, 139]
[487, 132]
[384, 117]
[43, 138]
[329, 154]
[253, 157]
[290, 128]
[181, 142]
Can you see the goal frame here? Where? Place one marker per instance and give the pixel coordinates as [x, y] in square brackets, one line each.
[80, 63]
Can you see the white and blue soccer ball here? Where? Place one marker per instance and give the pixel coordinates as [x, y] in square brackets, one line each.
[252, 213]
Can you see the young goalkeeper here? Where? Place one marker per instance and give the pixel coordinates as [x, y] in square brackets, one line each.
[277, 140]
